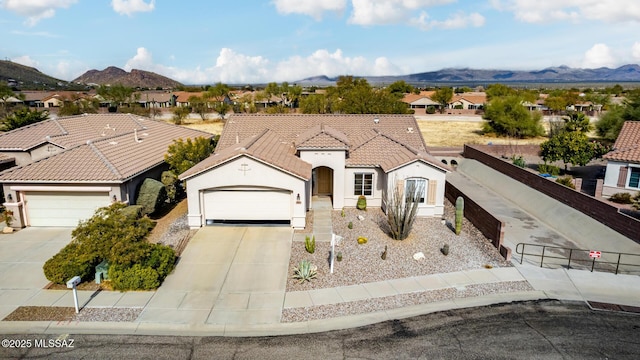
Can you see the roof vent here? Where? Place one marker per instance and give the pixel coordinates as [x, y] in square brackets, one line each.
[410, 130]
[135, 135]
[376, 120]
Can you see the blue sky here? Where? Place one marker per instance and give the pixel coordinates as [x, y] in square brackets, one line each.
[249, 41]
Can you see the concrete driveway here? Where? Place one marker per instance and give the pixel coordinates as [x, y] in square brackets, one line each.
[226, 275]
[22, 255]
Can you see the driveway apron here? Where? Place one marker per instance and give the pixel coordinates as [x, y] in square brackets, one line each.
[226, 275]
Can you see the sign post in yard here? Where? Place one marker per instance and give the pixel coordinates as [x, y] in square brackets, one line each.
[594, 254]
[71, 284]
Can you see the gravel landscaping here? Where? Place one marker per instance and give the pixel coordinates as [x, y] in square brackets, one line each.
[363, 263]
[56, 313]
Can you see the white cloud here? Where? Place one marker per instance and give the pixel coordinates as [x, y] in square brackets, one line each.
[456, 21]
[600, 55]
[35, 10]
[36, 33]
[540, 11]
[128, 7]
[235, 68]
[313, 8]
[635, 51]
[383, 12]
[26, 60]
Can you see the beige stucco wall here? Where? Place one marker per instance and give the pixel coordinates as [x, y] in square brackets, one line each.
[257, 175]
[334, 159]
[610, 185]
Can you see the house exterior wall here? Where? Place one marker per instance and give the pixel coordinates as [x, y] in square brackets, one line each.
[420, 170]
[254, 175]
[44, 151]
[375, 199]
[610, 185]
[334, 159]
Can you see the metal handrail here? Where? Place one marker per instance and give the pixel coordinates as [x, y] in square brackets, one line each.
[520, 249]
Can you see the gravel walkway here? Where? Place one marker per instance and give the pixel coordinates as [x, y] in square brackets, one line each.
[363, 263]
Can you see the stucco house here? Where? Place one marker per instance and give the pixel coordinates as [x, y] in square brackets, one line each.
[68, 167]
[267, 168]
[623, 162]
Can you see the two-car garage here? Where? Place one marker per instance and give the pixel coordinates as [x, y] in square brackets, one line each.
[266, 205]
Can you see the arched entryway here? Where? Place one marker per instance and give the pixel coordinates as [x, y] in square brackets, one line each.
[322, 181]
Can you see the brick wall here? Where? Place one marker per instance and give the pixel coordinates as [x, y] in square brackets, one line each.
[489, 225]
[598, 210]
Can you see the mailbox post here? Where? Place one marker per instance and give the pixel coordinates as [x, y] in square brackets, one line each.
[71, 284]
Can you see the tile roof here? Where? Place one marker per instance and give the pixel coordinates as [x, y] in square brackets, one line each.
[266, 147]
[322, 137]
[627, 146]
[129, 147]
[388, 142]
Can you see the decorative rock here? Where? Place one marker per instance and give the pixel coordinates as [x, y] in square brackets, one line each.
[7, 230]
[360, 217]
[418, 256]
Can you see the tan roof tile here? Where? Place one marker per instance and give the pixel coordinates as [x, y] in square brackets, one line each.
[627, 145]
[110, 158]
[322, 136]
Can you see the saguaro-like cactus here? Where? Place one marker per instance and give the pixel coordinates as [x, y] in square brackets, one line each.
[459, 214]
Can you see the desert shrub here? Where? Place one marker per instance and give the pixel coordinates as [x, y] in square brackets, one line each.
[635, 201]
[566, 181]
[310, 244]
[518, 161]
[136, 277]
[548, 169]
[133, 211]
[162, 259]
[621, 198]
[69, 262]
[430, 109]
[170, 181]
[151, 196]
[362, 203]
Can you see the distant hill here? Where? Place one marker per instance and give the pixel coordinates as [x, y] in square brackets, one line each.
[560, 74]
[136, 78]
[26, 77]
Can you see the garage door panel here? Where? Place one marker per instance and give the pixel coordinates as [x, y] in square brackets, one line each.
[62, 209]
[247, 205]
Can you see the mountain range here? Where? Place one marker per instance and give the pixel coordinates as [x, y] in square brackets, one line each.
[560, 74]
[25, 77]
[136, 78]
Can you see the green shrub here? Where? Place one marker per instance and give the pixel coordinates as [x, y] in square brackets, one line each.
[548, 169]
[137, 277]
[170, 181]
[518, 161]
[430, 109]
[635, 203]
[621, 198]
[162, 259]
[132, 211]
[69, 262]
[350, 225]
[566, 181]
[362, 203]
[151, 196]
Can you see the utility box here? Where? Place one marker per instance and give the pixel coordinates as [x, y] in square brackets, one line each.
[102, 271]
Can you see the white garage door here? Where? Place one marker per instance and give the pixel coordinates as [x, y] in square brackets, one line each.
[247, 205]
[63, 208]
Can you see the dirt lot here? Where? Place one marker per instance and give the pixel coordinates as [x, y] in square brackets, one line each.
[438, 133]
[210, 126]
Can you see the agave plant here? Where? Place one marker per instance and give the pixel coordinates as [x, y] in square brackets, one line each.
[305, 271]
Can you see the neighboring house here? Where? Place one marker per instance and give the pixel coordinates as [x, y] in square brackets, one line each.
[68, 167]
[420, 101]
[468, 101]
[623, 162]
[267, 168]
[156, 99]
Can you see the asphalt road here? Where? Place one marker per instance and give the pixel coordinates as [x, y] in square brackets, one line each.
[529, 330]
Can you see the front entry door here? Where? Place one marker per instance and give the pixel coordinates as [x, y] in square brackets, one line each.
[325, 181]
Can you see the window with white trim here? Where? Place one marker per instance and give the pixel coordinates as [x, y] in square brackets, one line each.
[363, 184]
[634, 177]
[415, 189]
